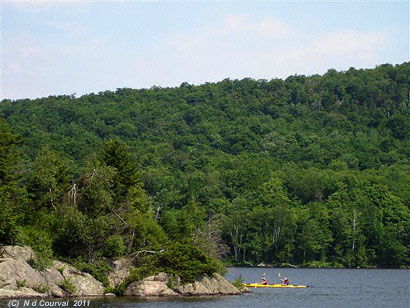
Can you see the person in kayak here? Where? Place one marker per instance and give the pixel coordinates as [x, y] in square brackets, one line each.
[285, 281]
[264, 281]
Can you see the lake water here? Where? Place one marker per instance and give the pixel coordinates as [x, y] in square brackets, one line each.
[327, 288]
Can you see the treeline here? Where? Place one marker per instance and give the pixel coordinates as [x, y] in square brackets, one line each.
[308, 170]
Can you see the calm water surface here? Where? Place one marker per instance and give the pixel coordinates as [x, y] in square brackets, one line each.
[327, 288]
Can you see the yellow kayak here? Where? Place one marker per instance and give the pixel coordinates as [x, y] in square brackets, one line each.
[276, 285]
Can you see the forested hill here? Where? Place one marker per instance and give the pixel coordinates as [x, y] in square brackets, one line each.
[307, 170]
[357, 118]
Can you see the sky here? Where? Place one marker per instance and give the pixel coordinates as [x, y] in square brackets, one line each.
[72, 47]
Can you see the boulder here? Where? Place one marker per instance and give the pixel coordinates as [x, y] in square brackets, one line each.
[18, 273]
[52, 275]
[120, 270]
[164, 277]
[19, 279]
[208, 285]
[84, 284]
[151, 286]
[21, 293]
[109, 295]
[148, 288]
[87, 285]
[23, 253]
[56, 291]
[158, 285]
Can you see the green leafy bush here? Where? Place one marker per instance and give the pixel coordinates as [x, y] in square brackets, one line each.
[61, 269]
[98, 269]
[41, 242]
[41, 288]
[114, 246]
[67, 285]
[187, 261]
[21, 284]
[238, 282]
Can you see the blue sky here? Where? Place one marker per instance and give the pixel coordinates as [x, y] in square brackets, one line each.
[53, 48]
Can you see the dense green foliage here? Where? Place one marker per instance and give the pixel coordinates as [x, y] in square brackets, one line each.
[308, 170]
[9, 190]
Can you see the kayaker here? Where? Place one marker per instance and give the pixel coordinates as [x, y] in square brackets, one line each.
[285, 281]
[264, 281]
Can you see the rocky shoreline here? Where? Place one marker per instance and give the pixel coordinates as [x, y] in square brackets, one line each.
[18, 279]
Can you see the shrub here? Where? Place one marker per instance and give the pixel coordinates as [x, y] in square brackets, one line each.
[238, 282]
[67, 285]
[41, 243]
[41, 288]
[61, 269]
[114, 246]
[98, 269]
[21, 284]
[187, 261]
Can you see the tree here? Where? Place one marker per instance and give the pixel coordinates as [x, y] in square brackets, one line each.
[126, 186]
[48, 180]
[9, 191]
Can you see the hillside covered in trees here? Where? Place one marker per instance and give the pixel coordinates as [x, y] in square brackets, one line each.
[311, 170]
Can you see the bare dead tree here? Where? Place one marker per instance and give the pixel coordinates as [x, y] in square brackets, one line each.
[135, 254]
[157, 215]
[73, 195]
[51, 199]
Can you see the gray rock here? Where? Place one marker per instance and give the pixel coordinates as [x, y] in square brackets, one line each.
[164, 277]
[224, 286]
[84, 283]
[18, 272]
[154, 286]
[23, 253]
[52, 275]
[22, 293]
[149, 278]
[120, 270]
[56, 291]
[109, 295]
[208, 285]
[169, 292]
[148, 288]
[19, 279]
[151, 286]
[245, 290]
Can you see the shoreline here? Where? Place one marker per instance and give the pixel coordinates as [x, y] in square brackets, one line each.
[316, 267]
[18, 279]
[306, 267]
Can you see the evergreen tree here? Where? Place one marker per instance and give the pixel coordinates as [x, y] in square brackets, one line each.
[9, 190]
